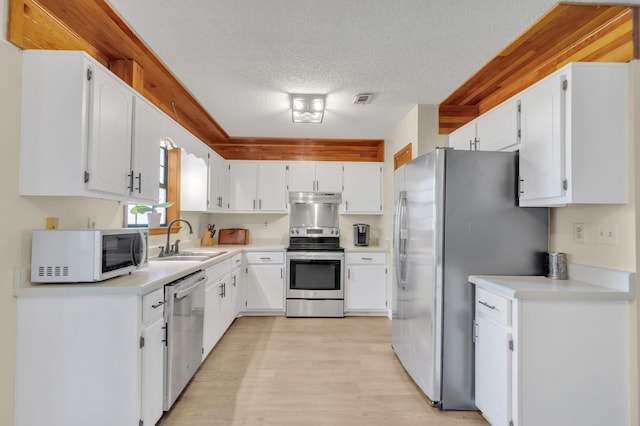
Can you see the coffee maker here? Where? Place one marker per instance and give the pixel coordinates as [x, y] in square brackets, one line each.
[360, 234]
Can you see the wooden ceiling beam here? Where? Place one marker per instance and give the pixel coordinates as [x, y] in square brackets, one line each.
[567, 33]
[95, 27]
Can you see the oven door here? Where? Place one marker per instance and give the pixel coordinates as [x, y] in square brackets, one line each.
[315, 275]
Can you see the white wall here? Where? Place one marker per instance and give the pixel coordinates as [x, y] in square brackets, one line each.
[274, 228]
[428, 137]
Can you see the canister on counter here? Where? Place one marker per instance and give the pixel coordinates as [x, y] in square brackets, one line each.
[556, 266]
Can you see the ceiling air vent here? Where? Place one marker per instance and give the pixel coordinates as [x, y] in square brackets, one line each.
[362, 98]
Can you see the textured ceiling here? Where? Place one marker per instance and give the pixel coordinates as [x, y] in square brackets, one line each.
[242, 58]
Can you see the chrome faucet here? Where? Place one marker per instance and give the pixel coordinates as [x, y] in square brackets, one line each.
[166, 251]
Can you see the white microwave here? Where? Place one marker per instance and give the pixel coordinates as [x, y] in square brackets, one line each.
[86, 255]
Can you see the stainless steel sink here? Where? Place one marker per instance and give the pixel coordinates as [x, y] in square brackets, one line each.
[190, 256]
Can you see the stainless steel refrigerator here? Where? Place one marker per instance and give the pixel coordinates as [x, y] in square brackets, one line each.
[456, 215]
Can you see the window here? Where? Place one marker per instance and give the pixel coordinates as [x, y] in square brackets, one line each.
[168, 189]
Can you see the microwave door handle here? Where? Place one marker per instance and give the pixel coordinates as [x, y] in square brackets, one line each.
[143, 255]
[137, 255]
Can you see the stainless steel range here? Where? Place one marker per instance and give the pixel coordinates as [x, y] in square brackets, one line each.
[315, 260]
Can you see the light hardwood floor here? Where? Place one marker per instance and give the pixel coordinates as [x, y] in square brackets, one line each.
[307, 371]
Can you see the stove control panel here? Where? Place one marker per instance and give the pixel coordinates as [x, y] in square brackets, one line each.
[314, 232]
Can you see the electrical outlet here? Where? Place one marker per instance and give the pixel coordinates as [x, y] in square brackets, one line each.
[578, 233]
[51, 223]
[607, 234]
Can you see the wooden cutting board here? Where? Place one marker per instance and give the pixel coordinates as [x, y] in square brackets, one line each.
[233, 236]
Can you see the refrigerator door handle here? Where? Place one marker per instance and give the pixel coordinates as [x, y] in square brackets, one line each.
[401, 239]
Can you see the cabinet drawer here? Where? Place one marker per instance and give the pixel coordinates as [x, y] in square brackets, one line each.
[236, 261]
[152, 305]
[366, 258]
[265, 257]
[493, 306]
[219, 269]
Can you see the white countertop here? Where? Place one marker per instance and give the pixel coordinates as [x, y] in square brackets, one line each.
[143, 281]
[154, 276]
[585, 283]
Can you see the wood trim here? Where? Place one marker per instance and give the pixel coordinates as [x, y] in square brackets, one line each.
[173, 192]
[95, 27]
[403, 156]
[129, 71]
[302, 149]
[636, 32]
[567, 33]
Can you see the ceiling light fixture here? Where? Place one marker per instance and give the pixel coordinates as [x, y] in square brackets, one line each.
[307, 108]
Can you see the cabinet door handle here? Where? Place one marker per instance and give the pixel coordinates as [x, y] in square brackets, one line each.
[157, 305]
[477, 144]
[254, 204]
[221, 294]
[366, 258]
[470, 144]
[260, 204]
[346, 206]
[130, 187]
[349, 273]
[281, 276]
[265, 258]
[139, 183]
[482, 302]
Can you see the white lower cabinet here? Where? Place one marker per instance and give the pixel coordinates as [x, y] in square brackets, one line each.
[551, 360]
[217, 311]
[366, 283]
[265, 282]
[152, 343]
[79, 360]
[493, 344]
[239, 291]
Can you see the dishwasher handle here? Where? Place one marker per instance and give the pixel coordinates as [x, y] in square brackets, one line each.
[183, 292]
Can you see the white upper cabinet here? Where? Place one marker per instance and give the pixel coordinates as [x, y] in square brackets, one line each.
[147, 133]
[574, 131]
[495, 130]
[218, 183]
[76, 127]
[272, 183]
[328, 177]
[193, 182]
[109, 133]
[309, 176]
[85, 132]
[362, 192]
[302, 176]
[464, 138]
[258, 186]
[204, 181]
[542, 147]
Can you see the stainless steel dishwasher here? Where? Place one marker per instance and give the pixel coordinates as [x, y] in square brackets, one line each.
[184, 315]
